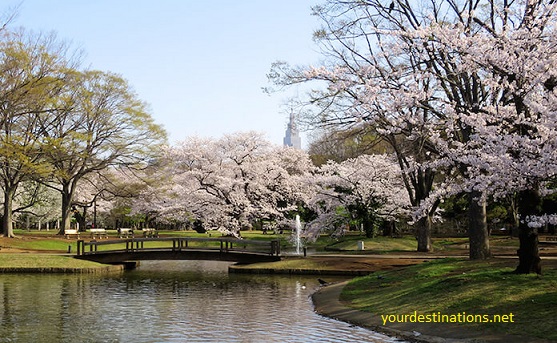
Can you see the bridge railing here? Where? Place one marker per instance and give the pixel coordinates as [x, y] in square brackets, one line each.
[224, 245]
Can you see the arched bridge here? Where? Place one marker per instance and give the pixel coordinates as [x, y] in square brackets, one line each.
[183, 248]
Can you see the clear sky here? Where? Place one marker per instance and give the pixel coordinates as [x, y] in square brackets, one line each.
[199, 64]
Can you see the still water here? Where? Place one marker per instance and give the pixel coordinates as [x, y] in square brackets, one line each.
[167, 301]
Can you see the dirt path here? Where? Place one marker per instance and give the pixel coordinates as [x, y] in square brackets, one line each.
[369, 263]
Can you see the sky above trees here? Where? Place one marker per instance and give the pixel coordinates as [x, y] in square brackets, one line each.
[200, 65]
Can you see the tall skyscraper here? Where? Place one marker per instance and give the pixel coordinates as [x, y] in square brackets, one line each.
[292, 137]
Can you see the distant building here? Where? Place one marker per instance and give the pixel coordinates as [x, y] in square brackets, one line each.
[292, 137]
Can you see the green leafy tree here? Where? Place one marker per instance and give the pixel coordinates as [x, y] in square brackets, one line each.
[33, 70]
[104, 124]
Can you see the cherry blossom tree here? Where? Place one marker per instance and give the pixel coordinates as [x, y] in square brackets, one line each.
[367, 191]
[231, 182]
[511, 148]
[440, 75]
[36, 202]
[371, 78]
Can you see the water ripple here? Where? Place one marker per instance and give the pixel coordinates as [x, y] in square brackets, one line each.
[168, 302]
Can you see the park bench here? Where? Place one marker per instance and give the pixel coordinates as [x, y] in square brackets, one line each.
[125, 232]
[71, 233]
[98, 233]
[548, 239]
[148, 232]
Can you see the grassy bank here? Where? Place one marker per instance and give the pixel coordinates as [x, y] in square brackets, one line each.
[454, 286]
[49, 263]
[384, 245]
[38, 241]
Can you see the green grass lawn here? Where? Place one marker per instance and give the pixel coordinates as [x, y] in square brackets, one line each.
[383, 245]
[44, 261]
[454, 286]
[44, 240]
[371, 245]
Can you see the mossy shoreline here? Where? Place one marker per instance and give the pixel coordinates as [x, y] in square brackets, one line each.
[451, 287]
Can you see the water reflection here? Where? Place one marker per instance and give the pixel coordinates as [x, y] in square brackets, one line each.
[167, 302]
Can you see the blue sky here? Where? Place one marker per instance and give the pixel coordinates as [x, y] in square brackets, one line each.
[199, 64]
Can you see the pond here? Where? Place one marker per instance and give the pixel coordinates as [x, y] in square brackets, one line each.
[167, 301]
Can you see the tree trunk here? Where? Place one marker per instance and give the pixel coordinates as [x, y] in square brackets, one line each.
[369, 226]
[423, 234]
[66, 211]
[477, 227]
[389, 228]
[7, 224]
[529, 204]
[81, 218]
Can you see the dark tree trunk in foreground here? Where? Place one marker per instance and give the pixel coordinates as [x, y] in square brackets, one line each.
[529, 203]
[423, 234]
[477, 227]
